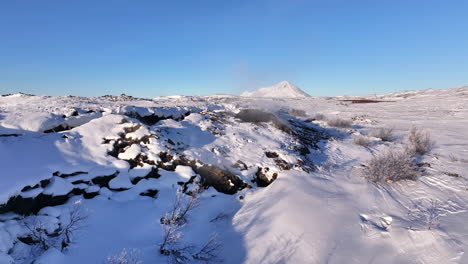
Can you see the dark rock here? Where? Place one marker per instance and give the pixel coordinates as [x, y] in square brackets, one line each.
[220, 179]
[90, 195]
[153, 173]
[150, 120]
[261, 178]
[240, 165]
[282, 164]
[140, 160]
[150, 193]
[131, 129]
[65, 175]
[80, 182]
[165, 157]
[271, 154]
[103, 181]
[27, 206]
[28, 240]
[10, 135]
[44, 183]
[58, 128]
[424, 165]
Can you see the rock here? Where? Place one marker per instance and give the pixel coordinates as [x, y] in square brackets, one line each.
[271, 155]
[261, 178]
[150, 193]
[103, 181]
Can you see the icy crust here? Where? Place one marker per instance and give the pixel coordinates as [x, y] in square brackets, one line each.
[279, 184]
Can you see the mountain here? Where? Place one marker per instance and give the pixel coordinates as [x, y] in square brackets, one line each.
[282, 89]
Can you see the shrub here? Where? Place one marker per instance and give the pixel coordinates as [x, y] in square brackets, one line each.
[181, 207]
[420, 141]
[362, 141]
[60, 238]
[319, 117]
[338, 122]
[385, 134]
[296, 112]
[392, 166]
[210, 251]
[426, 214]
[255, 116]
[172, 223]
[125, 257]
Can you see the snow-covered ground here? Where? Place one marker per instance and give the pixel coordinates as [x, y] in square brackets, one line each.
[269, 182]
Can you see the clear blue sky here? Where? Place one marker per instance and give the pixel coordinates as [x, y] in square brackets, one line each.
[149, 48]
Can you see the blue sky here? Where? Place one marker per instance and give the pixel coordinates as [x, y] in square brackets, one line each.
[149, 48]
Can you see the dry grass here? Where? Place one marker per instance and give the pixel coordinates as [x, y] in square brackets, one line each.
[340, 123]
[392, 166]
[420, 141]
[385, 134]
[362, 141]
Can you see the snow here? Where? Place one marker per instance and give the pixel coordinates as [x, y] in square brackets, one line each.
[329, 215]
[121, 181]
[282, 89]
[58, 186]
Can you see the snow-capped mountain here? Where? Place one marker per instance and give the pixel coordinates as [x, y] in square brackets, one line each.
[282, 89]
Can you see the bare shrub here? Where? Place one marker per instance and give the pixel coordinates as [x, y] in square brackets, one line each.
[385, 134]
[420, 141]
[39, 236]
[173, 222]
[453, 158]
[171, 238]
[425, 214]
[125, 257]
[210, 251]
[392, 166]
[183, 204]
[338, 122]
[76, 221]
[60, 238]
[362, 141]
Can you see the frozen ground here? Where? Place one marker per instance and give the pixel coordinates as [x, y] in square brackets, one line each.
[274, 188]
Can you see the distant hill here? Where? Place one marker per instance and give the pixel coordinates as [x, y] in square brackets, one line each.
[282, 89]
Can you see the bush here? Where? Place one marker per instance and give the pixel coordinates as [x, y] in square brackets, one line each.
[319, 117]
[172, 223]
[426, 214]
[420, 141]
[60, 238]
[296, 112]
[362, 141]
[338, 122]
[392, 166]
[181, 207]
[125, 257]
[385, 134]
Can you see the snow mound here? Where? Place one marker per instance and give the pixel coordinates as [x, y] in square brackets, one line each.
[282, 89]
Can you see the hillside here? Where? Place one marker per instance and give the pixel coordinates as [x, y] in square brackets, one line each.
[247, 179]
